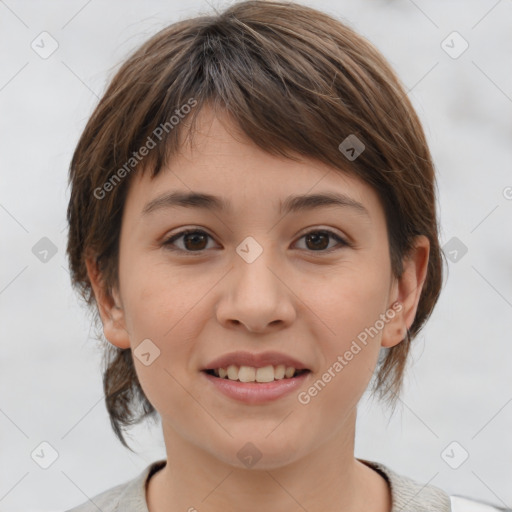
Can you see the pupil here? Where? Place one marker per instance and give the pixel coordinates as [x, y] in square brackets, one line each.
[315, 237]
[194, 237]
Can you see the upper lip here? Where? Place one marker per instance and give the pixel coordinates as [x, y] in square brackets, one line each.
[260, 360]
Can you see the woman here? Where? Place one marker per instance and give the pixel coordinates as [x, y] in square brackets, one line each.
[253, 215]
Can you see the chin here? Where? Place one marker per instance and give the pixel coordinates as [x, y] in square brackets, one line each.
[253, 452]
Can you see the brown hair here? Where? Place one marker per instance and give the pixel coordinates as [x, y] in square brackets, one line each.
[297, 81]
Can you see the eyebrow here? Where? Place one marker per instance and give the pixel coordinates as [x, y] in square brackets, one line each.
[290, 204]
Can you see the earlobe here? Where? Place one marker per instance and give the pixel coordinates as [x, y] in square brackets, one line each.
[407, 292]
[395, 330]
[109, 307]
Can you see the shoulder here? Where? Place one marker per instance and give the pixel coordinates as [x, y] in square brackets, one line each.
[107, 501]
[463, 504]
[129, 496]
[408, 494]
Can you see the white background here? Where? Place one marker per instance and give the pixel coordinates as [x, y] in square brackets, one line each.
[459, 382]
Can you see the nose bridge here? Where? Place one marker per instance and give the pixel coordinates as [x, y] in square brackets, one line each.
[256, 296]
[252, 269]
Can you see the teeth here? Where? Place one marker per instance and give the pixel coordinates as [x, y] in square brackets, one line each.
[232, 372]
[289, 372]
[246, 374]
[250, 374]
[279, 371]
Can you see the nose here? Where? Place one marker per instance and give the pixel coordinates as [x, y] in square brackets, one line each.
[256, 296]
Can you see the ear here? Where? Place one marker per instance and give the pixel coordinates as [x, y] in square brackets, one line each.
[406, 292]
[109, 306]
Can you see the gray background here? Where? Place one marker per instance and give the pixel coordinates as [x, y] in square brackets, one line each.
[458, 386]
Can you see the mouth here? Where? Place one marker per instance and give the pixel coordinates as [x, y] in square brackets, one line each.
[255, 386]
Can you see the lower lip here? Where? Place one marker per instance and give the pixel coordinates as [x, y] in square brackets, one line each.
[254, 392]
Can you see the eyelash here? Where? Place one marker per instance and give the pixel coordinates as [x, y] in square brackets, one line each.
[169, 241]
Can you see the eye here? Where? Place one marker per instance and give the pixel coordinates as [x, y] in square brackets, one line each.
[318, 240]
[196, 240]
[193, 239]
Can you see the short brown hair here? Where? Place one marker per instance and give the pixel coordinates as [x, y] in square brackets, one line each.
[296, 81]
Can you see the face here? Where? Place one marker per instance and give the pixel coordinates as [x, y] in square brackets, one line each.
[305, 282]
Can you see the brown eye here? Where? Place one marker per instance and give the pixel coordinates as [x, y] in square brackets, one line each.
[193, 241]
[319, 240]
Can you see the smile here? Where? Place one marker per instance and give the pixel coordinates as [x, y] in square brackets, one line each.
[240, 383]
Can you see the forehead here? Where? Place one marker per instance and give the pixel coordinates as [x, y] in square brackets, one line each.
[221, 161]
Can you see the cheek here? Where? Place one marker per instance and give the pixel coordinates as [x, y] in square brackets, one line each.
[162, 311]
[349, 307]
[348, 301]
[166, 308]
[154, 295]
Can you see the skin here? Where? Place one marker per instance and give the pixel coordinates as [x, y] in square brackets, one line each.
[296, 298]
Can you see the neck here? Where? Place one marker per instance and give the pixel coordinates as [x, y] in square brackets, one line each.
[329, 478]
